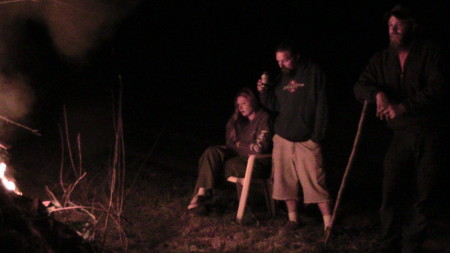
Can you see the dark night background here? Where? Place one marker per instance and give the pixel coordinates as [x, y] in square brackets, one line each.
[181, 63]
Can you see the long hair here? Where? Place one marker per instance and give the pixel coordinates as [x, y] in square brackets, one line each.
[237, 118]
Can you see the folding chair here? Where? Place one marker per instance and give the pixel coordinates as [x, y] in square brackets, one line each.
[243, 187]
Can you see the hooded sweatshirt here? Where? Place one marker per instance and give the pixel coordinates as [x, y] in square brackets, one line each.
[299, 99]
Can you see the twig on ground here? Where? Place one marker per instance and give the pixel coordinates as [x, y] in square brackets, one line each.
[102, 213]
[69, 145]
[117, 180]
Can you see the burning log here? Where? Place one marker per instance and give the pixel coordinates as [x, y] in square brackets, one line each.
[26, 226]
[7, 183]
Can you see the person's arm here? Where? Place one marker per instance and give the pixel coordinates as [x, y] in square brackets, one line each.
[432, 95]
[257, 139]
[267, 96]
[426, 100]
[230, 136]
[366, 87]
[321, 115]
[263, 141]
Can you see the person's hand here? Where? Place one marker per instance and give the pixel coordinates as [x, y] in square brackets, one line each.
[261, 86]
[393, 111]
[382, 105]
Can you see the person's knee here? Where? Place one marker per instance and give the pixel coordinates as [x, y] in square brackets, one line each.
[212, 152]
[235, 167]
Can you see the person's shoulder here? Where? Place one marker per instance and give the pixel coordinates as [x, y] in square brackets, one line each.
[380, 54]
[311, 65]
[431, 45]
[262, 113]
[432, 49]
[308, 62]
[383, 52]
[427, 42]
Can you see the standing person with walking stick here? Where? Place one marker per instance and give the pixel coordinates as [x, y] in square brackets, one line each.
[299, 99]
[406, 83]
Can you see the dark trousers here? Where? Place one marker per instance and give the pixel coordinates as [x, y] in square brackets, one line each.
[410, 166]
[219, 162]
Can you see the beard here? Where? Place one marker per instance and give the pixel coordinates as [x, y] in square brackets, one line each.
[397, 42]
[287, 71]
[394, 41]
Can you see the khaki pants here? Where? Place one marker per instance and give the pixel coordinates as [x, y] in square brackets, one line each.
[294, 163]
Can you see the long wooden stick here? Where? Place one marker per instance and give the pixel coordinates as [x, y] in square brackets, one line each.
[20, 125]
[347, 170]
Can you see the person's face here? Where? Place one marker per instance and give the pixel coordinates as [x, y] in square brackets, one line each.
[285, 60]
[244, 106]
[398, 31]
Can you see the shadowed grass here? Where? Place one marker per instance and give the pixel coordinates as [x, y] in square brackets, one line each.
[158, 191]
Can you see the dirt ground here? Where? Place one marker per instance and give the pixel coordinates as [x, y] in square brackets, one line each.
[160, 176]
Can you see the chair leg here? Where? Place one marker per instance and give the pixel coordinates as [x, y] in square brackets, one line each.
[242, 203]
[270, 202]
[238, 190]
[245, 188]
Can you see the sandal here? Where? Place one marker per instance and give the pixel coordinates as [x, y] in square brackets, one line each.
[198, 205]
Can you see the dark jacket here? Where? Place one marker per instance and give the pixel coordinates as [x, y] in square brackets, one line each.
[255, 137]
[300, 101]
[420, 88]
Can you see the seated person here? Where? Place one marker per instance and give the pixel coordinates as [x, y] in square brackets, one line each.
[248, 132]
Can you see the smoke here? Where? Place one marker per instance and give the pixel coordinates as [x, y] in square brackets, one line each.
[16, 101]
[74, 28]
[78, 26]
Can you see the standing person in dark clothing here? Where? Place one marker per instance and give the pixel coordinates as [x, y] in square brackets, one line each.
[299, 99]
[248, 132]
[406, 83]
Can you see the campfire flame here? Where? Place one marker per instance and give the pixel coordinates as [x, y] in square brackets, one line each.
[8, 184]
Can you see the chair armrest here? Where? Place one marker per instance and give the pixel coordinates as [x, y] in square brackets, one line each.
[236, 180]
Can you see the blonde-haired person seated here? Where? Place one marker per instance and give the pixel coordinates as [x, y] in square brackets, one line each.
[248, 132]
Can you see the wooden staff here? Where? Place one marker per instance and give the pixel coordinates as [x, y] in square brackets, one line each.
[347, 169]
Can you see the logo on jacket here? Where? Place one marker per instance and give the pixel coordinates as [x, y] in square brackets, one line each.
[292, 86]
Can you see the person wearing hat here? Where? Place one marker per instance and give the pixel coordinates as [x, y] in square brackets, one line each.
[406, 83]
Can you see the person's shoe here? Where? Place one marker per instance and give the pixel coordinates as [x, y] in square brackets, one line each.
[289, 228]
[199, 210]
[326, 231]
[198, 205]
[291, 225]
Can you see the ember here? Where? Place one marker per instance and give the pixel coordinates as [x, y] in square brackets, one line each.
[7, 183]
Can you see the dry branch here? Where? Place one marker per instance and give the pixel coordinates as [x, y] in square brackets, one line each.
[34, 131]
